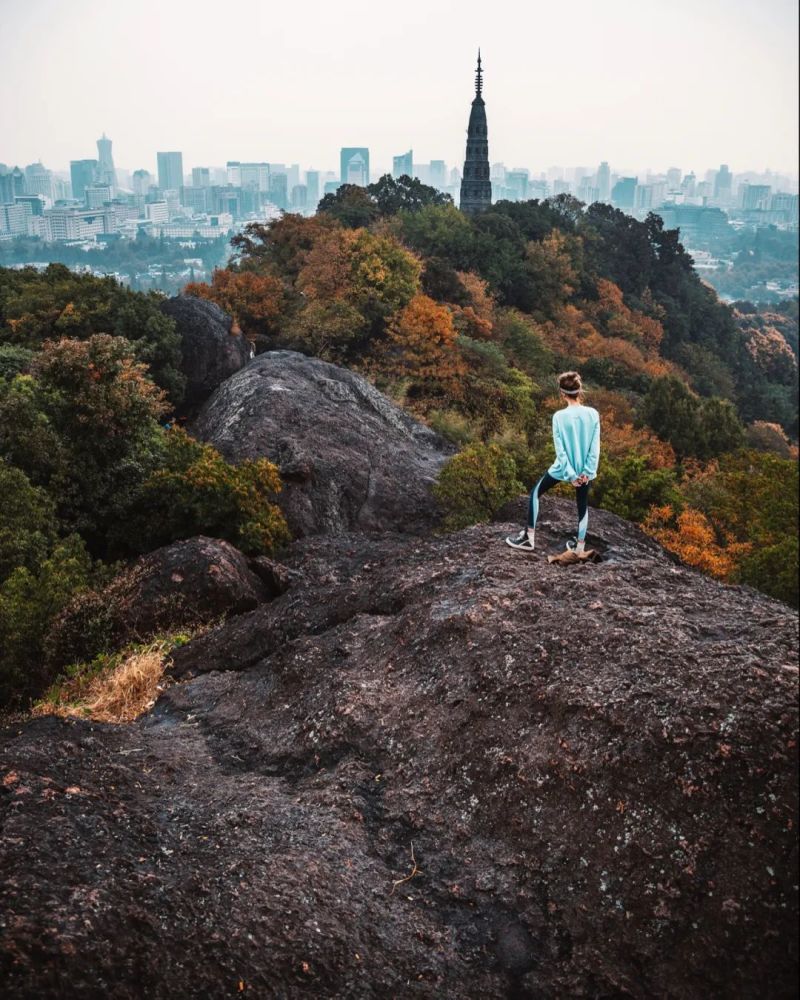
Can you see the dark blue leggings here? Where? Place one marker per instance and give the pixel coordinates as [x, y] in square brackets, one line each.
[581, 495]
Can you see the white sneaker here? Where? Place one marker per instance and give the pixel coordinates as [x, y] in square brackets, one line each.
[522, 541]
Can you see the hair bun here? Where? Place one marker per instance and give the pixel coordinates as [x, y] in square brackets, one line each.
[570, 383]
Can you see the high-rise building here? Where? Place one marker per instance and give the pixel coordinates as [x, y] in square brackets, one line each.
[723, 184]
[755, 197]
[348, 153]
[517, 184]
[39, 180]
[83, 174]
[170, 171]
[254, 176]
[197, 199]
[673, 179]
[299, 197]
[357, 171]
[234, 173]
[785, 205]
[97, 195]
[14, 218]
[12, 183]
[438, 174]
[201, 177]
[312, 188]
[403, 165]
[689, 185]
[142, 181]
[278, 190]
[476, 185]
[105, 163]
[623, 194]
[603, 182]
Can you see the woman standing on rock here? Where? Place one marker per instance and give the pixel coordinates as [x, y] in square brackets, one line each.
[576, 436]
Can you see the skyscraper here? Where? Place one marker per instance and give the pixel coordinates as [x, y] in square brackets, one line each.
[201, 177]
[170, 171]
[39, 180]
[347, 154]
[723, 184]
[476, 185]
[403, 165]
[438, 174]
[83, 174]
[105, 163]
[623, 194]
[142, 179]
[312, 188]
[603, 181]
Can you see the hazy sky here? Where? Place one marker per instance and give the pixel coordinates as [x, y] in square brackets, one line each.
[641, 83]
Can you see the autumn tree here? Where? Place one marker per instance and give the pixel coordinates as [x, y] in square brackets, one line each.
[351, 283]
[280, 246]
[255, 300]
[421, 343]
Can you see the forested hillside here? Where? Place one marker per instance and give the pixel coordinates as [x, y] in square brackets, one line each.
[467, 321]
[463, 321]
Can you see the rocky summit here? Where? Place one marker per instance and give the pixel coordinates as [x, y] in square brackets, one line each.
[429, 768]
[348, 456]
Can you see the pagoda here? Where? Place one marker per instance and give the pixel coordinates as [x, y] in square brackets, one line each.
[476, 186]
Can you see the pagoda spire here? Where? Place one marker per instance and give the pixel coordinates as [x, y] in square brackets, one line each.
[476, 185]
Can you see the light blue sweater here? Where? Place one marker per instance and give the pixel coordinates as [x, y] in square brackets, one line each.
[576, 435]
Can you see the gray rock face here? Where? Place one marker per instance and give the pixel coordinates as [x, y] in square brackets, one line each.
[183, 584]
[348, 456]
[211, 353]
[433, 768]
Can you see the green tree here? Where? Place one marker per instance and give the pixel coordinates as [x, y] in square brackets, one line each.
[405, 194]
[30, 599]
[351, 206]
[629, 487]
[475, 483]
[195, 491]
[27, 526]
[39, 306]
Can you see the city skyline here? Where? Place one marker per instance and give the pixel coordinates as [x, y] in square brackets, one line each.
[288, 88]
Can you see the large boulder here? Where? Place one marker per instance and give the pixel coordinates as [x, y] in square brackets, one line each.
[348, 456]
[432, 768]
[211, 351]
[187, 583]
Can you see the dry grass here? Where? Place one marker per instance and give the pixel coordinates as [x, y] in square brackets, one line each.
[121, 692]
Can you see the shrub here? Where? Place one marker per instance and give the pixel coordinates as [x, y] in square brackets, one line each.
[475, 483]
[196, 492]
[29, 601]
[628, 487]
[28, 525]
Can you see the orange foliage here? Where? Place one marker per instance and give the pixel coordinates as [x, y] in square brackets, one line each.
[618, 320]
[254, 300]
[576, 336]
[692, 538]
[475, 319]
[327, 272]
[421, 340]
[620, 440]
